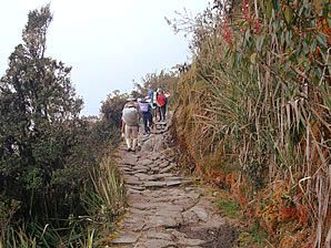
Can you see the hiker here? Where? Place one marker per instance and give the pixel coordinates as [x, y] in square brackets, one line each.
[150, 94]
[154, 108]
[130, 123]
[146, 112]
[161, 102]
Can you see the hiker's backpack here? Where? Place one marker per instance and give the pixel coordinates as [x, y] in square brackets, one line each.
[130, 116]
[144, 107]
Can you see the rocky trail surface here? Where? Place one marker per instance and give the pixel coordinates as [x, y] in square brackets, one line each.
[165, 208]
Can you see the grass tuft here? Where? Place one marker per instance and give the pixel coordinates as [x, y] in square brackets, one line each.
[229, 208]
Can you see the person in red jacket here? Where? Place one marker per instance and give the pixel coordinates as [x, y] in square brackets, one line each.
[161, 102]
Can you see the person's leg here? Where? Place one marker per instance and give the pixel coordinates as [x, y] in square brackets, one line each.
[122, 129]
[134, 135]
[159, 113]
[163, 113]
[165, 110]
[153, 110]
[145, 119]
[127, 137]
[150, 119]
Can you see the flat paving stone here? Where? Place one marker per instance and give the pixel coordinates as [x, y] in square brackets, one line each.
[162, 221]
[173, 183]
[132, 180]
[140, 167]
[167, 168]
[133, 191]
[201, 213]
[157, 243]
[145, 162]
[161, 176]
[164, 163]
[155, 184]
[159, 235]
[126, 238]
[130, 160]
[136, 187]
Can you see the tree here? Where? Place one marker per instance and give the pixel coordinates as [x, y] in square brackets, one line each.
[111, 110]
[164, 80]
[38, 118]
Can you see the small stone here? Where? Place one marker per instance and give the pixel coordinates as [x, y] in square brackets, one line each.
[161, 221]
[141, 206]
[155, 169]
[136, 187]
[145, 162]
[140, 171]
[159, 243]
[164, 164]
[201, 213]
[127, 238]
[191, 242]
[132, 180]
[140, 167]
[155, 184]
[130, 160]
[133, 191]
[173, 183]
[160, 176]
[154, 165]
[190, 217]
[172, 178]
[168, 168]
[159, 235]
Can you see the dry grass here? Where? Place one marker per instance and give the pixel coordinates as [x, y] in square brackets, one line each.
[261, 108]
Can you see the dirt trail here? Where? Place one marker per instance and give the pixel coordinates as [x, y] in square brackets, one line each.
[165, 209]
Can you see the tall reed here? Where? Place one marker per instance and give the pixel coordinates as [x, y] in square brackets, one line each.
[257, 98]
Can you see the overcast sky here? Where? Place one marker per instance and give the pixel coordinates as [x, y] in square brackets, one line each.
[107, 42]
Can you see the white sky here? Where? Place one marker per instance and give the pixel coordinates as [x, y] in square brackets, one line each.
[107, 42]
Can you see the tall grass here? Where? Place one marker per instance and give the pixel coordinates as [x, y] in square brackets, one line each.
[258, 105]
[104, 200]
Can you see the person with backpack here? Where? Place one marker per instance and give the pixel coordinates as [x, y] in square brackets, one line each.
[146, 112]
[161, 102]
[130, 123]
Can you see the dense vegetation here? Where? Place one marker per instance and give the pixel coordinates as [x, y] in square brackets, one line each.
[253, 112]
[57, 179]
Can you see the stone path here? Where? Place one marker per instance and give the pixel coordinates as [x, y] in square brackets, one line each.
[166, 209]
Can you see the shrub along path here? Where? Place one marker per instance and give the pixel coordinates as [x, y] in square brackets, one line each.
[166, 209]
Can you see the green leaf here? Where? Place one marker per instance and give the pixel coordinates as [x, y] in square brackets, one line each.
[305, 47]
[329, 21]
[269, 9]
[288, 37]
[259, 42]
[322, 40]
[276, 5]
[288, 14]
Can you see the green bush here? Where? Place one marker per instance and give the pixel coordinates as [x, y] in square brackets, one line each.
[47, 152]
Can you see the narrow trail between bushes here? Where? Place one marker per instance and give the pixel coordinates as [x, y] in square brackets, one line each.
[166, 208]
